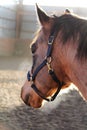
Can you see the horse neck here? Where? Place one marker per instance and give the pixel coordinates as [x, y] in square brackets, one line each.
[74, 69]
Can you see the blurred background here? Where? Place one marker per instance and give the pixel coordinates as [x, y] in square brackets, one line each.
[18, 24]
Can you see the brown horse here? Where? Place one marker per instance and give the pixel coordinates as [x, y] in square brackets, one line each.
[59, 58]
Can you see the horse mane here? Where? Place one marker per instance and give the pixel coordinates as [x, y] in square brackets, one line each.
[73, 27]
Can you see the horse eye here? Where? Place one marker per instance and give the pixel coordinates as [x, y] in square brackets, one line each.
[33, 48]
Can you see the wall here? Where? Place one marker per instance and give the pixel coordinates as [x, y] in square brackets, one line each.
[26, 24]
[29, 24]
[7, 29]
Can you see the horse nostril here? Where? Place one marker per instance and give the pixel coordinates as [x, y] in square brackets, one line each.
[26, 99]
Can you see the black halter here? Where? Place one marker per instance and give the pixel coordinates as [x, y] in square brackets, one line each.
[46, 61]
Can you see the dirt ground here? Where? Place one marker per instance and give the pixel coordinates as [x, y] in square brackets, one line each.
[67, 112]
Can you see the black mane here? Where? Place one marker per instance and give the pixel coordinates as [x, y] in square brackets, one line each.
[72, 27]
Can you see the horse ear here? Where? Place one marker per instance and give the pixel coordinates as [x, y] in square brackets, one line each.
[43, 17]
[67, 11]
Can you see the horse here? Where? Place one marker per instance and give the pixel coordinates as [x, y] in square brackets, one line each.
[59, 53]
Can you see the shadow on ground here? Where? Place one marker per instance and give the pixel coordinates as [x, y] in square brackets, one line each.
[70, 114]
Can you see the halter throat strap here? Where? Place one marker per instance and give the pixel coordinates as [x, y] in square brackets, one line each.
[46, 61]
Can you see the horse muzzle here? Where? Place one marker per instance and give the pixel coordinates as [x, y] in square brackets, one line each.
[29, 99]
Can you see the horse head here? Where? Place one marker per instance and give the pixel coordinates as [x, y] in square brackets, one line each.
[56, 52]
[45, 61]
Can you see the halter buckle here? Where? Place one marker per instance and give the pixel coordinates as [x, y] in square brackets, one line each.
[49, 59]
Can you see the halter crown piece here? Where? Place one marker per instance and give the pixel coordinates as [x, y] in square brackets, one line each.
[46, 61]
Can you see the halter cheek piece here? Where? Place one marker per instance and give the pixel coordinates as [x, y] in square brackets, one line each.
[46, 61]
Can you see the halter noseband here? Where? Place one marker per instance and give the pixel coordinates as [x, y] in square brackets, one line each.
[46, 61]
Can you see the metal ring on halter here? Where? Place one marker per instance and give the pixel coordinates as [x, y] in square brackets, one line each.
[31, 79]
[49, 59]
